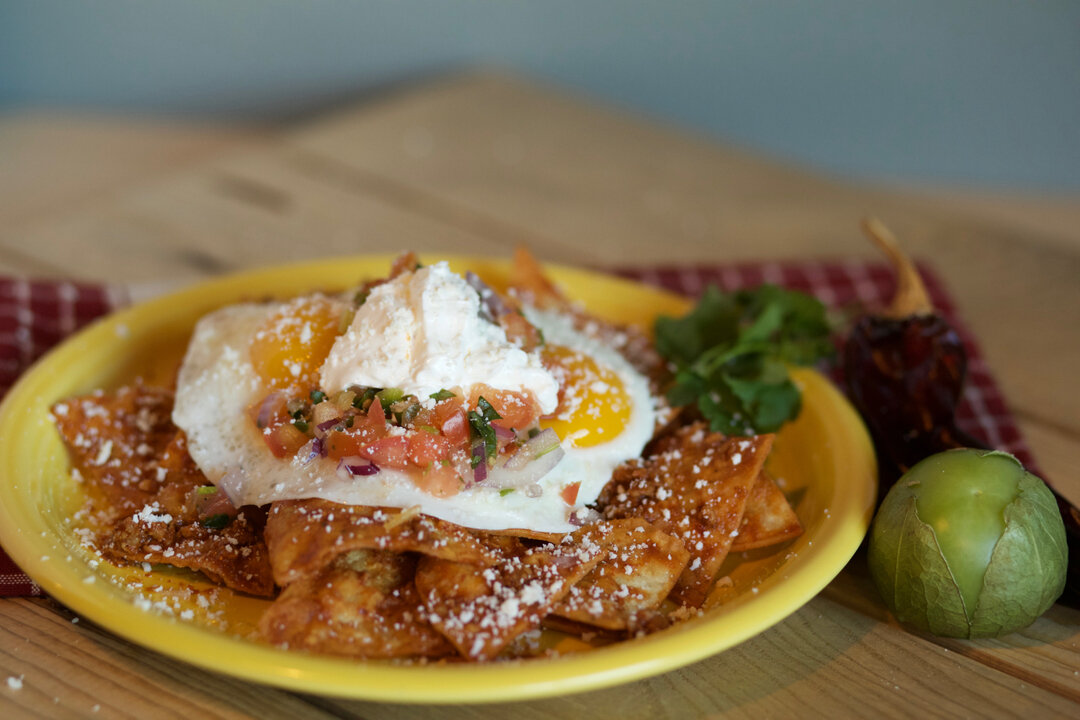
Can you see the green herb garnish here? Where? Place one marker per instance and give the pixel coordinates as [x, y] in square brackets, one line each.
[215, 522]
[317, 396]
[363, 400]
[441, 395]
[732, 350]
[301, 425]
[389, 396]
[406, 416]
[207, 489]
[505, 491]
[480, 424]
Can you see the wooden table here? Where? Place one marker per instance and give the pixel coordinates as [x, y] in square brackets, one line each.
[482, 162]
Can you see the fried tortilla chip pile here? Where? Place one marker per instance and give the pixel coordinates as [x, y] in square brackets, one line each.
[144, 490]
[393, 583]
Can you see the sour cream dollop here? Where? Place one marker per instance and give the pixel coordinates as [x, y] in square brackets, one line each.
[423, 332]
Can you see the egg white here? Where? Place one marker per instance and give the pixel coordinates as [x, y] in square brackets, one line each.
[217, 385]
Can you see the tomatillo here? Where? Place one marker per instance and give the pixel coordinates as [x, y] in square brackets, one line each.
[968, 544]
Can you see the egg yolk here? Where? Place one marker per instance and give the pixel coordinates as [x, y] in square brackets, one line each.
[292, 344]
[594, 407]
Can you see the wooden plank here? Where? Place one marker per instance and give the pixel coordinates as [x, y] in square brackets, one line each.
[74, 669]
[1046, 654]
[240, 211]
[824, 661]
[54, 162]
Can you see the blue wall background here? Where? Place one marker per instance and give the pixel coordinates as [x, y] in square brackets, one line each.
[945, 91]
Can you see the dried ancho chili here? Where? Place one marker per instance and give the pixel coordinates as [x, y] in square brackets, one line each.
[905, 370]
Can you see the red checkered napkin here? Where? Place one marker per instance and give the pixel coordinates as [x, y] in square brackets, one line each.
[34, 316]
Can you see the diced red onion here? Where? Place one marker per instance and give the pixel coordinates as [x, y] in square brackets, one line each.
[493, 305]
[324, 426]
[267, 408]
[503, 434]
[525, 475]
[313, 449]
[480, 468]
[547, 441]
[357, 466]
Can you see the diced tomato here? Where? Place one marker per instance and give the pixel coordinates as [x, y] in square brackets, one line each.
[375, 420]
[570, 492]
[439, 480]
[366, 430]
[339, 444]
[426, 448]
[389, 452]
[456, 429]
[285, 439]
[516, 410]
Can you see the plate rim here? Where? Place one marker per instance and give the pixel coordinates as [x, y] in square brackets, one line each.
[622, 662]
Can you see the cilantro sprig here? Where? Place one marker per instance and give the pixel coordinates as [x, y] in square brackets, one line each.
[482, 431]
[732, 350]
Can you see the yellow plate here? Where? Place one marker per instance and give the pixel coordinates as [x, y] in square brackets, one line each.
[825, 458]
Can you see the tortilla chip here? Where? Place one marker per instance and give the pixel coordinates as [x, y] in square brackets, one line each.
[548, 537]
[304, 536]
[363, 605]
[640, 566]
[482, 611]
[142, 482]
[530, 283]
[234, 555]
[115, 440]
[769, 518]
[696, 490]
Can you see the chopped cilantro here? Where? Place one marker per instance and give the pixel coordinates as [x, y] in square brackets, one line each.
[363, 398]
[317, 396]
[409, 414]
[207, 490]
[345, 321]
[443, 394]
[476, 458]
[480, 424]
[215, 522]
[505, 491]
[389, 396]
[732, 350]
[301, 425]
[489, 413]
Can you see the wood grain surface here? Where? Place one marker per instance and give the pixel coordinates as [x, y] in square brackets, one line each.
[480, 163]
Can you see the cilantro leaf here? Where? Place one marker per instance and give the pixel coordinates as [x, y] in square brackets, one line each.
[480, 425]
[731, 353]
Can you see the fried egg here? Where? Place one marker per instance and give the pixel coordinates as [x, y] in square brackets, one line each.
[240, 354]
